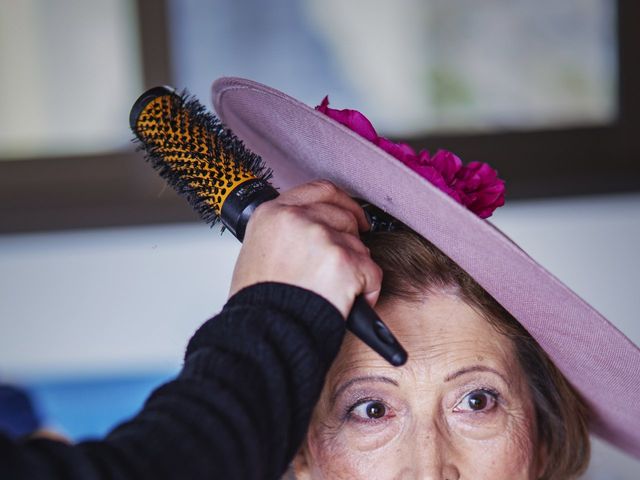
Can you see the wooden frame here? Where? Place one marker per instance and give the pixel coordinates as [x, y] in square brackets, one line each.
[115, 188]
[118, 188]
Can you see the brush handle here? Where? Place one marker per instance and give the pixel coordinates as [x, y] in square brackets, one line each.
[365, 324]
[241, 203]
[363, 321]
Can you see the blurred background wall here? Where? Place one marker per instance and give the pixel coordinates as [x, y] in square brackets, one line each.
[105, 273]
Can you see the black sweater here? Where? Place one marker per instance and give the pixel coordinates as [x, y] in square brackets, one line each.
[239, 408]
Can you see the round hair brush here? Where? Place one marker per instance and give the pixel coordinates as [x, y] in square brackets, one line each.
[224, 181]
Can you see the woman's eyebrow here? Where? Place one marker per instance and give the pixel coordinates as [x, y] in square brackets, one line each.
[475, 368]
[354, 380]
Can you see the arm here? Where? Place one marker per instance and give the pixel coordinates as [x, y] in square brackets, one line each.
[238, 409]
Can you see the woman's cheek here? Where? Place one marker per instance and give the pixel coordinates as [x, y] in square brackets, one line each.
[506, 455]
[352, 451]
[520, 445]
[331, 456]
[499, 460]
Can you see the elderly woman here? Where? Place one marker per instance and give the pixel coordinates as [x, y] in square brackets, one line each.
[507, 368]
[478, 397]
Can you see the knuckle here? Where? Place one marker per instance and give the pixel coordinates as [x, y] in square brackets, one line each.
[358, 246]
[319, 232]
[350, 220]
[378, 273]
[326, 186]
[344, 221]
[339, 256]
[373, 271]
[287, 215]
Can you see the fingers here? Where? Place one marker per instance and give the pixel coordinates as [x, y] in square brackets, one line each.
[308, 237]
[350, 242]
[359, 259]
[323, 215]
[323, 191]
[334, 217]
[372, 279]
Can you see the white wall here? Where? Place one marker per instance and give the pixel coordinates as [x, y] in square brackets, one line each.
[129, 299]
[105, 300]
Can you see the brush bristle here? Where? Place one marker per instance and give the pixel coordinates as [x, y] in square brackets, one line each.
[192, 150]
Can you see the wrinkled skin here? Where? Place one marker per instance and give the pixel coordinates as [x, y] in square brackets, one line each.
[459, 409]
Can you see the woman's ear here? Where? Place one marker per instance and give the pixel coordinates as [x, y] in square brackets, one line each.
[300, 464]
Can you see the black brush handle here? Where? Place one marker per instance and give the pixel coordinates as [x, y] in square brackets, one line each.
[365, 324]
[363, 321]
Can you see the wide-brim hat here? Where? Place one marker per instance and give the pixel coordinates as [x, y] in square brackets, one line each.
[301, 144]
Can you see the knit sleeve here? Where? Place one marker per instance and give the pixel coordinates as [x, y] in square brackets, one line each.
[239, 408]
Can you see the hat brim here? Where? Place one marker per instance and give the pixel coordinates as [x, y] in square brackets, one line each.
[301, 144]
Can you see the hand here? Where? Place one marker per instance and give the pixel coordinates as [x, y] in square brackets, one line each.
[309, 237]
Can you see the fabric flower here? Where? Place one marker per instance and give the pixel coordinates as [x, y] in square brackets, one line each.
[475, 185]
[351, 118]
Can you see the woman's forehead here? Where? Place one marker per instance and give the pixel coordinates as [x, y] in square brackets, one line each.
[442, 335]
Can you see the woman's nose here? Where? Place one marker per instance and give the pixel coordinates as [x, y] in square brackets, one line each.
[431, 457]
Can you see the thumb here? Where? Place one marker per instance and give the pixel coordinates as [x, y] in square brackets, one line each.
[372, 297]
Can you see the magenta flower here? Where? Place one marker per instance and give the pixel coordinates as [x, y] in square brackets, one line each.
[351, 118]
[482, 189]
[475, 185]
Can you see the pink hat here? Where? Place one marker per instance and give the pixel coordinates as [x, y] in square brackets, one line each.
[302, 144]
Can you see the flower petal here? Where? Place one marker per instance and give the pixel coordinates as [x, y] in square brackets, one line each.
[475, 185]
[401, 151]
[353, 119]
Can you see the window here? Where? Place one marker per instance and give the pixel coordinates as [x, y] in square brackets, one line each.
[414, 67]
[70, 71]
[544, 91]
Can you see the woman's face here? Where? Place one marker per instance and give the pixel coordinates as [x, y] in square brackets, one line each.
[459, 408]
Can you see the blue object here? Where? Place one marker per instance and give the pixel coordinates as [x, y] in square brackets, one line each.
[18, 416]
[82, 408]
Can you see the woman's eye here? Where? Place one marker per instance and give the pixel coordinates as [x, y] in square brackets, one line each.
[477, 401]
[370, 410]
